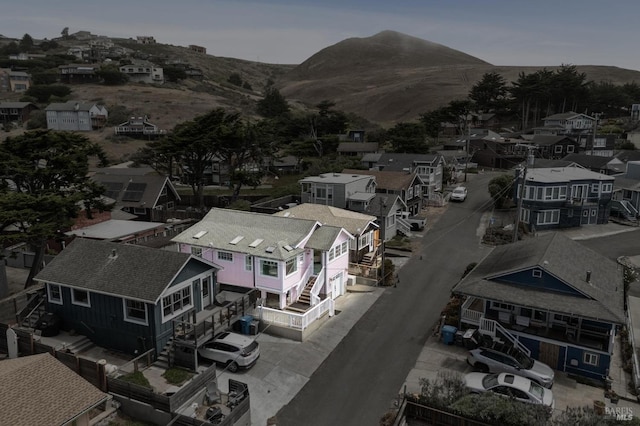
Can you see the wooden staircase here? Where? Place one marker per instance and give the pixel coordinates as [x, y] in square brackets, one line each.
[164, 359]
[369, 259]
[303, 303]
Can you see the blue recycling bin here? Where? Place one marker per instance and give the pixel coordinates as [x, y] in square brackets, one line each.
[245, 324]
[448, 334]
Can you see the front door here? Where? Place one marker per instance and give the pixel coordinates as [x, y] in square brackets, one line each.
[206, 292]
[336, 285]
[549, 354]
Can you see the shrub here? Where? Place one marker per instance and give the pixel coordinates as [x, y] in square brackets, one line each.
[137, 378]
[176, 376]
[37, 120]
[497, 410]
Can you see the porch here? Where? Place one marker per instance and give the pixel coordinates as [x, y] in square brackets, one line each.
[556, 326]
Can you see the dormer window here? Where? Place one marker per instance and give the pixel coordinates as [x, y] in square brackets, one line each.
[537, 273]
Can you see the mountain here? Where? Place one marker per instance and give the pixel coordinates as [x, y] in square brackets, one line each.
[392, 77]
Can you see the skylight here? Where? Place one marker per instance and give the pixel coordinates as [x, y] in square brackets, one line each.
[256, 243]
[200, 234]
[270, 249]
[236, 240]
[288, 248]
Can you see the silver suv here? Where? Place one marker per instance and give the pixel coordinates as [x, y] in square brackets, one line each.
[516, 362]
[231, 350]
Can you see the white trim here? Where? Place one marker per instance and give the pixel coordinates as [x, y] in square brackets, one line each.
[587, 356]
[77, 303]
[56, 301]
[169, 292]
[537, 273]
[134, 320]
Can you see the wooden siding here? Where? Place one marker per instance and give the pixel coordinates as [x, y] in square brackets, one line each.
[546, 282]
[103, 323]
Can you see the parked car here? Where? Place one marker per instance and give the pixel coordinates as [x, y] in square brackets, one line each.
[232, 350]
[510, 385]
[459, 194]
[517, 362]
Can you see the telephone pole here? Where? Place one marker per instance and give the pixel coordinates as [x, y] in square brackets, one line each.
[596, 116]
[528, 161]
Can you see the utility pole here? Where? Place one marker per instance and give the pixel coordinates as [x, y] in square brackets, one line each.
[466, 165]
[521, 195]
[594, 130]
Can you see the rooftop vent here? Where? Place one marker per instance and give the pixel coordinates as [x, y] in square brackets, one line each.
[200, 235]
[588, 276]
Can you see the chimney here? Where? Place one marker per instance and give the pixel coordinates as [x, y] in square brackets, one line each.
[588, 276]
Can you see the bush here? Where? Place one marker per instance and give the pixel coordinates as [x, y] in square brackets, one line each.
[37, 120]
[176, 376]
[497, 410]
[137, 378]
[42, 93]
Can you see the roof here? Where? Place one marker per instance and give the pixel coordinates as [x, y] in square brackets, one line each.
[263, 235]
[371, 157]
[70, 106]
[383, 204]
[397, 162]
[591, 161]
[353, 222]
[16, 105]
[549, 139]
[542, 163]
[114, 229]
[566, 116]
[563, 258]
[132, 187]
[40, 390]
[340, 178]
[390, 180]
[134, 272]
[357, 147]
[324, 237]
[564, 174]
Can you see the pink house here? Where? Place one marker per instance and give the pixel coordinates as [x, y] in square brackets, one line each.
[294, 263]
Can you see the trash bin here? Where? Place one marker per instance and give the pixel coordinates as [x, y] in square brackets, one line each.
[254, 327]
[460, 337]
[448, 333]
[245, 324]
[469, 340]
[48, 324]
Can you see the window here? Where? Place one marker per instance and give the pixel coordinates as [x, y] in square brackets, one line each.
[579, 191]
[269, 268]
[321, 192]
[557, 149]
[248, 263]
[176, 303]
[226, 256]
[139, 210]
[135, 311]
[570, 149]
[537, 273]
[502, 306]
[607, 187]
[595, 187]
[170, 205]
[196, 251]
[80, 297]
[291, 266]
[591, 358]
[525, 215]
[332, 255]
[345, 247]
[55, 293]
[548, 217]
[164, 191]
[364, 240]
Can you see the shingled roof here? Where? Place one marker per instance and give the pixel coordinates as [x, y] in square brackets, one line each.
[354, 222]
[390, 180]
[124, 270]
[40, 390]
[563, 258]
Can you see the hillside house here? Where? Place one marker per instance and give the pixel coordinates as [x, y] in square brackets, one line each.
[566, 123]
[429, 167]
[79, 73]
[143, 72]
[138, 127]
[75, 116]
[336, 189]
[14, 81]
[16, 111]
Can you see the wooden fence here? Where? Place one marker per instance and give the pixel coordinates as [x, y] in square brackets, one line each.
[91, 371]
[431, 416]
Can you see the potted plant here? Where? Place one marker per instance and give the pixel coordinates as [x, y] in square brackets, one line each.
[598, 407]
[613, 396]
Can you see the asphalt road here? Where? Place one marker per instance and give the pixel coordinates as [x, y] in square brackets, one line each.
[614, 246]
[359, 380]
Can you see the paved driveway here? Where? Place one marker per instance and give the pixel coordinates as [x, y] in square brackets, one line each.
[436, 357]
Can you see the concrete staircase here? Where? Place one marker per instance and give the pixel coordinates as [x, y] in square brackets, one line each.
[80, 345]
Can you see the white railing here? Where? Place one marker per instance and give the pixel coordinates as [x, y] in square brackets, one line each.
[305, 279]
[293, 319]
[471, 316]
[317, 286]
[491, 327]
[403, 226]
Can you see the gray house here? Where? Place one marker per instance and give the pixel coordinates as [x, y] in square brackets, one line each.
[74, 115]
[336, 189]
[428, 167]
[125, 297]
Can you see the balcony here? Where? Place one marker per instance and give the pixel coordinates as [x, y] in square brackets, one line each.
[573, 332]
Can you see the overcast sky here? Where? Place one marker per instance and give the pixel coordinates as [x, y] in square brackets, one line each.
[516, 32]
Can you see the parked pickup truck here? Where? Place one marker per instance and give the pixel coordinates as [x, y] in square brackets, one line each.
[417, 222]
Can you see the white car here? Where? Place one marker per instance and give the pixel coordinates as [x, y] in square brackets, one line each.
[489, 360]
[459, 194]
[232, 350]
[510, 385]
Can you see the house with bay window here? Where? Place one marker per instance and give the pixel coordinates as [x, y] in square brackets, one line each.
[563, 197]
[551, 297]
[126, 297]
[296, 264]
